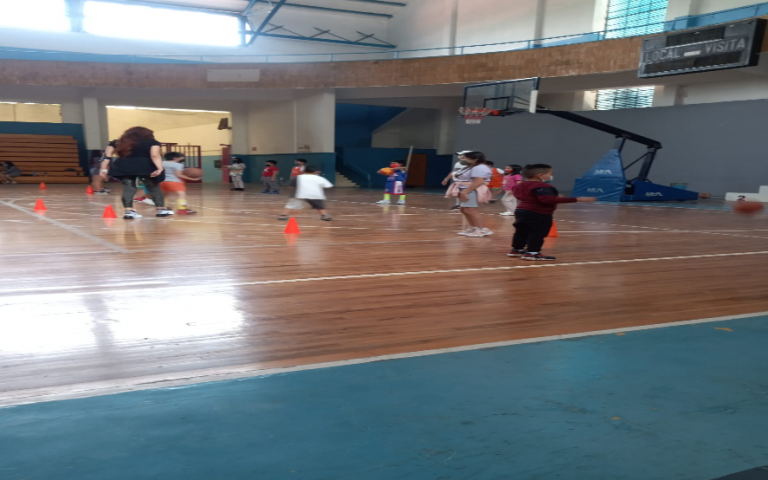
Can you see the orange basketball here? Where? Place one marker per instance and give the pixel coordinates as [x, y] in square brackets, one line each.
[387, 171]
[194, 172]
[747, 208]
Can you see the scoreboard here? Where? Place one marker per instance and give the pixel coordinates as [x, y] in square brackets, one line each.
[724, 46]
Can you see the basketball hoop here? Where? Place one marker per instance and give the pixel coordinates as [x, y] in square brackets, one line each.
[474, 115]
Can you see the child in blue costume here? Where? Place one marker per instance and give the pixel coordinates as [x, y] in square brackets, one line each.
[395, 183]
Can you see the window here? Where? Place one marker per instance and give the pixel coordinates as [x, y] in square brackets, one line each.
[640, 97]
[160, 24]
[628, 18]
[48, 15]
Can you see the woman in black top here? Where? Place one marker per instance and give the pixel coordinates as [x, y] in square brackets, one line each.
[139, 154]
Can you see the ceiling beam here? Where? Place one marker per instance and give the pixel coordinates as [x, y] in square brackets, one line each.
[326, 40]
[326, 9]
[266, 21]
[382, 2]
[250, 6]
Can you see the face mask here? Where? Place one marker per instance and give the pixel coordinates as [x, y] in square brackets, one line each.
[552, 178]
[464, 162]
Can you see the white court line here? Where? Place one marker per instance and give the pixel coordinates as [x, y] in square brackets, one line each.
[207, 287]
[70, 287]
[69, 228]
[251, 370]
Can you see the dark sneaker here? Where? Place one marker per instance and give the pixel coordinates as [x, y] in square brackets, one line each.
[326, 218]
[276, 192]
[283, 217]
[455, 207]
[516, 253]
[537, 257]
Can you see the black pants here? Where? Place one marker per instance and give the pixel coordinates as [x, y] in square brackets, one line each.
[531, 229]
[129, 189]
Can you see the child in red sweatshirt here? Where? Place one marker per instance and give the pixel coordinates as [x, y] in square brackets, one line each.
[537, 201]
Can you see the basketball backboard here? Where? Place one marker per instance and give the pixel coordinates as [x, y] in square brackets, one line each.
[503, 98]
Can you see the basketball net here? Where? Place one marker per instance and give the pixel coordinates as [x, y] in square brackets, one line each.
[474, 115]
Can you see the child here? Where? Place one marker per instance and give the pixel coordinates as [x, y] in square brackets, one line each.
[9, 172]
[269, 177]
[457, 167]
[174, 180]
[310, 189]
[395, 183]
[533, 217]
[511, 178]
[496, 182]
[298, 168]
[97, 183]
[236, 173]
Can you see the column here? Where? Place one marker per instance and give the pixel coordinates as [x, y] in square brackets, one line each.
[240, 132]
[95, 124]
[315, 121]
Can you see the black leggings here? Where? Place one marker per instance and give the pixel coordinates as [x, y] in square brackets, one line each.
[531, 229]
[129, 190]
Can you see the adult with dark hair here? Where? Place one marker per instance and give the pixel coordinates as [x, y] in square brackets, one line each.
[139, 158]
[472, 190]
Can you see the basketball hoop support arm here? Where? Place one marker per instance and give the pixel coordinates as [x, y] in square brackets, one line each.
[621, 137]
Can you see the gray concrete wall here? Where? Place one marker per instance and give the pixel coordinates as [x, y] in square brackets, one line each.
[715, 148]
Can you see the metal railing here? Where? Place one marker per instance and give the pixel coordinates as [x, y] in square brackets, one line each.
[680, 23]
[353, 172]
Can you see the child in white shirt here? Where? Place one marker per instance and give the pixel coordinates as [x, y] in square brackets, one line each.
[310, 188]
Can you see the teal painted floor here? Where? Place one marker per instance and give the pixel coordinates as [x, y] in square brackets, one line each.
[688, 402]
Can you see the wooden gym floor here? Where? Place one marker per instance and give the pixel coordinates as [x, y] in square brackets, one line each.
[89, 305]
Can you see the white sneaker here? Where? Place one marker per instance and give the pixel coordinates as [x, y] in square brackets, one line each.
[485, 232]
[468, 231]
[148, 201]
[507, 214]
[478, 233]
[164, 213]
[384, 202]
[130, 215]
[401, 202]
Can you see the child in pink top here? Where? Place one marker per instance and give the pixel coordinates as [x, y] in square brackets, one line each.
[511, 178]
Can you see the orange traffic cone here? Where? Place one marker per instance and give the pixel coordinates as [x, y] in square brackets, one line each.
[553, 231]
[42, 186]
[40, 206]
[89, 190]
[292, 226]
[109, 212]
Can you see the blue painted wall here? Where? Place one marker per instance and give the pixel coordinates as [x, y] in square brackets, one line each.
[33, 128]
[211, 174]
[373, 159]
[355, 124]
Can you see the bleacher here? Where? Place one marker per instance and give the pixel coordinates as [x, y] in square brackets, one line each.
[43, 158]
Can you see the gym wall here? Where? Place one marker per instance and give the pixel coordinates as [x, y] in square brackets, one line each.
[714, 148]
